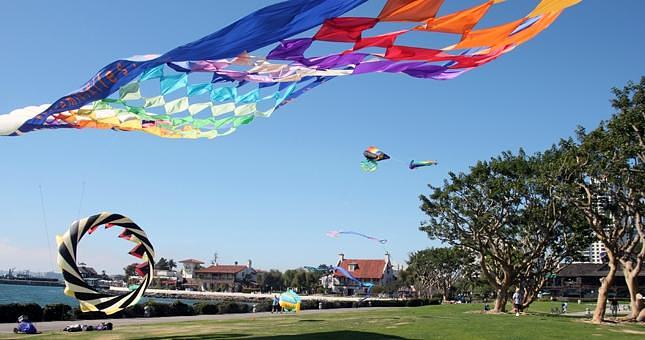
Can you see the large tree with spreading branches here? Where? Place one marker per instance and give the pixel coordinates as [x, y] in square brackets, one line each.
[603, 175]
[503, 210]
[439, 268]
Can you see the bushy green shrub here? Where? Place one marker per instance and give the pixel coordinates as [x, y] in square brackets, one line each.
[205, 308]
[11, 312]
[158, 309]
[414, 303]
[264, 306]
[309, 304]
[230, 308]
[435, 301]
[135, 311]
[79, 315]
[179, 308]
[57, 312]
[387, 303]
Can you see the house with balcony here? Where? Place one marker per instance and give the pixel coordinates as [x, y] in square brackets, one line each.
[189, 266]
[225, 277]
[378, 272]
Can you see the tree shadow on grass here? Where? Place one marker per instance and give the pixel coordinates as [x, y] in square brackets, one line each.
[199, 336]
[320, 335]
[332, 335]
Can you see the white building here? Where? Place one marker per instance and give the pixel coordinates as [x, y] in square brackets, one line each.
[595, 252]
[190, 265]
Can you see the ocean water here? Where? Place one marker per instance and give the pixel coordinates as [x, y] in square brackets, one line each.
[43, 295]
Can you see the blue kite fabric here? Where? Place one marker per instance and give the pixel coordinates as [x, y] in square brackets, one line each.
[358, 282]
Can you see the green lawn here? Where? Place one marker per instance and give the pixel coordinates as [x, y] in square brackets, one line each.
[436, 322]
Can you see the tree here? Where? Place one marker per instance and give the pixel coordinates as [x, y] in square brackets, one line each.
[162, 264]
[604, 179]
[130, 270]
[439, 268]
[171, 264]
[269, 281]
[503, 211]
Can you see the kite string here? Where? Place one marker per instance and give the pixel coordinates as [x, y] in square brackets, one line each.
[80, 203]
[42, 205]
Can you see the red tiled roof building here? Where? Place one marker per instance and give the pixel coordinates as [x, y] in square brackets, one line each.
[375, 271]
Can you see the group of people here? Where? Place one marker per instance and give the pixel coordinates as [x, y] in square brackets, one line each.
[25, 326]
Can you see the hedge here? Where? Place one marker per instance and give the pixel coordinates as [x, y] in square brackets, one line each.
[9, 313]
[206, 308]
[56, 312]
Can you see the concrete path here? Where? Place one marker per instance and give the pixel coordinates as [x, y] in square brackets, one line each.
[183, 294]
[59, 325]
[608, 314]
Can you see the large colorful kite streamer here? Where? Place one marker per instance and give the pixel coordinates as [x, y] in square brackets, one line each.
[212, 86]
[75, 286]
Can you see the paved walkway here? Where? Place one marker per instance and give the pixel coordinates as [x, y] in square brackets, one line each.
[183, 294]
[59, 325]
[607, 313]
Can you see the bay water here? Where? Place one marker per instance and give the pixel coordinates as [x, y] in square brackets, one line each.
[44, 295]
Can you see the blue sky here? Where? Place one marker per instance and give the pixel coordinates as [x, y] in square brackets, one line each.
[273, 189]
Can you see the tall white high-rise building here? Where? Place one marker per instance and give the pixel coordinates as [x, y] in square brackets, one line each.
[595, 252]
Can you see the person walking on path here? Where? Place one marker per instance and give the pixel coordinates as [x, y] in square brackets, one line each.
[517, 301]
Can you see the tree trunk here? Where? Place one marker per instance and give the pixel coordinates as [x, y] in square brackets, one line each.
[606, 283]
[631, 278]
[641, 316]
[500, 301]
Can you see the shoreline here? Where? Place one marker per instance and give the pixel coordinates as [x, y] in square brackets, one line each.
[29, 282]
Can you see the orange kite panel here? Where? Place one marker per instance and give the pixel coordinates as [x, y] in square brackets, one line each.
[550, 6]
[410, 10]
[531, 31]
[458, 22]
[487, 37]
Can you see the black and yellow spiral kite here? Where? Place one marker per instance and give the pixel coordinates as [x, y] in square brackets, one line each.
[75, 286]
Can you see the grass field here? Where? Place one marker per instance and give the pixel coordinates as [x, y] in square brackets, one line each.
[429, 322]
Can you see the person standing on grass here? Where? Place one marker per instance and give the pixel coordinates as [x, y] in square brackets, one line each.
[275, 305]
[614, 307]
[517, 301]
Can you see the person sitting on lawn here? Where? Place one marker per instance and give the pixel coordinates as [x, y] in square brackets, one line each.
[25, 326]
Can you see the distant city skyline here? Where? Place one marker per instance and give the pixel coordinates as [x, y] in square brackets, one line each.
[271, 191]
